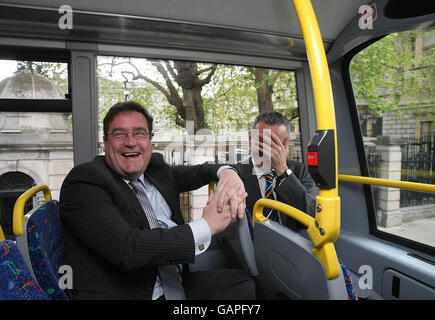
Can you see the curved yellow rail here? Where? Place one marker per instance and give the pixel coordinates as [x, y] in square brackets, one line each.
[327, 202]
[325, 252]
[212, 187]
[294, 213]
[414, 186]
[18, 218]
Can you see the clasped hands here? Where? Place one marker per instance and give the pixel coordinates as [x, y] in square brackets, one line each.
[227, 202]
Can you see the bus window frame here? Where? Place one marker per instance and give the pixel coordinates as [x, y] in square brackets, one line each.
[37, 105]
[362, 157]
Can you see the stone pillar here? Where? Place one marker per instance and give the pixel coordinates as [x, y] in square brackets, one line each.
[388, 213]
[200, 149]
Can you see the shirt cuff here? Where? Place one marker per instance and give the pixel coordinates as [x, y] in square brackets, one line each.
[201, 235]
[218, 173]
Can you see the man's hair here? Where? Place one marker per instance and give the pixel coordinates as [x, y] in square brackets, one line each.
[124, 107]
[273, 118]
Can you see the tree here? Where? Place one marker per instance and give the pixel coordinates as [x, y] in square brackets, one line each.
[218, 97]
[190, 78]
[394, 74]
[237, 94]
[264, 80]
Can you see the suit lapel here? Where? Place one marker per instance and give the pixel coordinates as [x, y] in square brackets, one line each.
[131, 201]
[251, 183]
[158, 179]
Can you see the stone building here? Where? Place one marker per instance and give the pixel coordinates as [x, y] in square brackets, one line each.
[35, 148]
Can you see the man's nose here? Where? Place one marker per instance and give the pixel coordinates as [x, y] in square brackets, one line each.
[130, 139]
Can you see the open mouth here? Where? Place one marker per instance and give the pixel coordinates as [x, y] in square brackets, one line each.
[130, 154]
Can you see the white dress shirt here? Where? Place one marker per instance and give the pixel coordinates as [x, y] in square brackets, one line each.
[260, 174]
[200, 228]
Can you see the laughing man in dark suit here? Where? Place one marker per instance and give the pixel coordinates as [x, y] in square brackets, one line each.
[113, 251]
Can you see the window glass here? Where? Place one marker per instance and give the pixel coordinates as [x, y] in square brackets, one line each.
[33, 80]
[393, 81]
[202, 112]
[35, 147]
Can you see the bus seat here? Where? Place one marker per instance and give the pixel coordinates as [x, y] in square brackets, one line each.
[351, 292]
[42, 247]
[289, 270]
[213, 258]
[221, 254]
[16, 280]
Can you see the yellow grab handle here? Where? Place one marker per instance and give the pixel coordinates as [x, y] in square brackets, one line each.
[18, 218]
[294, 213]
[211, 187]
[2, 235]
[414, 186]
[324, 251]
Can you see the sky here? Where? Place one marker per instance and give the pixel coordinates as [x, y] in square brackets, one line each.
[7, 68]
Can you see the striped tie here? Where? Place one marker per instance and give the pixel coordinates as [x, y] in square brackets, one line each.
[268, 194]
[169, 276]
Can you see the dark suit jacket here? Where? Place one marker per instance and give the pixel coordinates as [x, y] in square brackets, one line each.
[108, 242]
[298, 190]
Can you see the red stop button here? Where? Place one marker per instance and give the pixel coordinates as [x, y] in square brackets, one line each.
[312, 159]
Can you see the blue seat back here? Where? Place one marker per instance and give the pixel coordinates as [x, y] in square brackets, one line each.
[45, 247]
[41, 245]
[16, 281]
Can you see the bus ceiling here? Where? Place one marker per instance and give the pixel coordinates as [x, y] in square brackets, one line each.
[262, 28]
[249, 27]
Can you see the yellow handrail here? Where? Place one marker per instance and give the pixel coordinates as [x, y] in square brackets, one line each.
[414, 186]
[294, 213]
[2, 235]
[325, 252]
[327, 202]
[18, 217]
[212, 187]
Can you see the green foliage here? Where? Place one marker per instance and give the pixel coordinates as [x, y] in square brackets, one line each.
[229, 99]
[396, 74]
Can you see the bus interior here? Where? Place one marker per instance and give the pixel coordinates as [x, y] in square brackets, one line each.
[359, 94]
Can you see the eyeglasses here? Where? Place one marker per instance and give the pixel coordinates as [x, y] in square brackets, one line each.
[120, 135]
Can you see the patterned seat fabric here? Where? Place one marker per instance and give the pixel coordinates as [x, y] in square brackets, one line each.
[16, 281]
[45, 247]
[349, 283]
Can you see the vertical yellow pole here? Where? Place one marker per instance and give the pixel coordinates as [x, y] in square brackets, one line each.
[328, 203]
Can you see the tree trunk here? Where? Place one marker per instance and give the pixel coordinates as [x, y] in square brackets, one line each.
[186, 74]
[264, 87]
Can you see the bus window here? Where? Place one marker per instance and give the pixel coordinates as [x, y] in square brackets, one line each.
[28, 80]
[393, 81]
[202, 111]
[36, 147]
